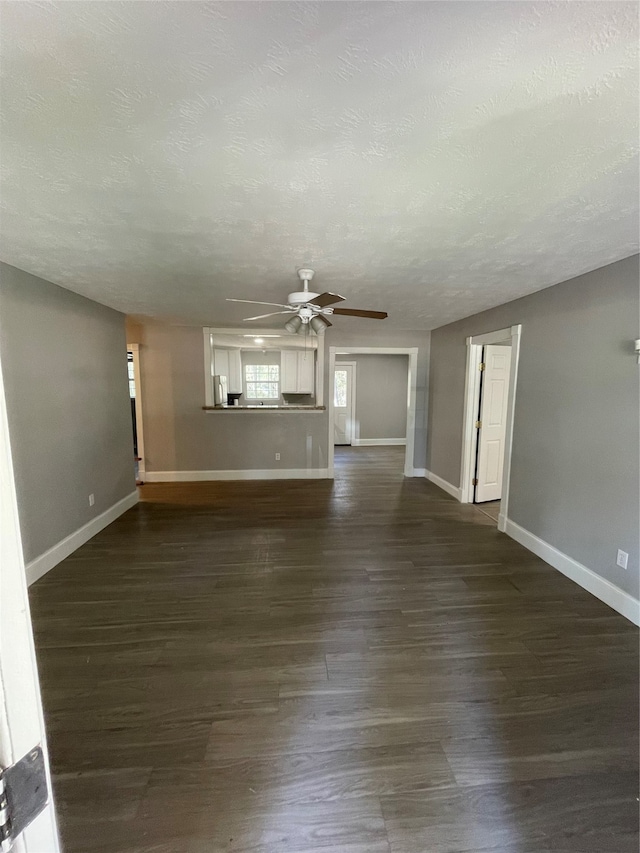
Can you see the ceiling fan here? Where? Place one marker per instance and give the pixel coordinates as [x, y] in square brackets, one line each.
[310, 309]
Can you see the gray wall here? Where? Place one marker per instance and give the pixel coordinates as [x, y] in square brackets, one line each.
[575, 467]
[381, 395]
[65, 373]
[179, 436]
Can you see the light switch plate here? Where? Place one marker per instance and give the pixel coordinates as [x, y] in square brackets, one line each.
[622, 559]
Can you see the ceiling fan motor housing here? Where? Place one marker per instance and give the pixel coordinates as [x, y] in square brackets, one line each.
[299, 297]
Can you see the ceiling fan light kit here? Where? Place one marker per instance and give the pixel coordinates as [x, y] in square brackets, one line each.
[293, 325]
[319, 324]
[311, 309]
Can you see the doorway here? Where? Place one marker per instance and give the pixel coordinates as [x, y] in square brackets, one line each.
[491, 425]
[336, 431]
[492, 361]
[344, 402]
[135, 397]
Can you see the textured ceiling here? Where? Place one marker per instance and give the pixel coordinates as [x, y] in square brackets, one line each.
[431, 159]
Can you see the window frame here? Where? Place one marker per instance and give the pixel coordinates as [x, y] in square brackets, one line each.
[262, 381]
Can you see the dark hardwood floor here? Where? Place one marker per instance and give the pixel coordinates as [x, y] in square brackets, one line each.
[363, 666]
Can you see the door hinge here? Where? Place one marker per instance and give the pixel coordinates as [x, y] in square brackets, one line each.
[481, 365]
[478, 424]
[23, 795]
[474, 482]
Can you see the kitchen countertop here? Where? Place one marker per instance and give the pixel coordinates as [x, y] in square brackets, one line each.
[264, 408]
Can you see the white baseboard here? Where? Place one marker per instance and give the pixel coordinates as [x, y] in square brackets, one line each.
[447, 487]
[621, 601]
[414, 472]
[371, 442]
[45, 562]
[240, 474]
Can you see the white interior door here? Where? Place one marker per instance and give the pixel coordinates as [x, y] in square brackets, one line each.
[21, 721]
[493, 420]
[343, 404]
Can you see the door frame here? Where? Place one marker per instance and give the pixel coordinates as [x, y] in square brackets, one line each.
[134, 349]
[21, 717]
[353, 365]
[471, 403]
[412, 385]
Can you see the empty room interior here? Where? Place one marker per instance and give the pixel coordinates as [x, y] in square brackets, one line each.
[319, 427]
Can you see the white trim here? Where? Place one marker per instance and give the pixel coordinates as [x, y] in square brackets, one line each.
[417, 472]
[240, 474]
[447, 487]
[355, 423]
[469, 432]
[516, 333]
[371, 442]
[21, 718]
[471, 402]
[208, 363]
[500, 336]
[412, 385]
[134, 349]
[54, 555]
[618, 599]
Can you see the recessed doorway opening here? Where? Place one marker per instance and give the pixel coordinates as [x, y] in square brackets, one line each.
[135, 396]
[372, 405]
[492, 365]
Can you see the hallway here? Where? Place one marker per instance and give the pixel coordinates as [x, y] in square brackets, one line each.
[358, 666]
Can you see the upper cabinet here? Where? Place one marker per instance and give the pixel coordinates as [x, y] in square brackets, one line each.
[228, 362]
[298, 372]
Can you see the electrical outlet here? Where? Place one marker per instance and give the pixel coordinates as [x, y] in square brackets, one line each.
[92, 500]
[622, 559]
[277, 457]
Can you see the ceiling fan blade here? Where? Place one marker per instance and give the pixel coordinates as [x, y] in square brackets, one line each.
[262, 316]
[325, 299]
[356, 312]
[253, 302]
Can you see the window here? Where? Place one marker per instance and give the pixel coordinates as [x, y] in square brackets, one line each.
[132, 377]
[262, 381]
[340, 393]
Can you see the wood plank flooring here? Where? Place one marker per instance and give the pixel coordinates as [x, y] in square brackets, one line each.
[363, 666]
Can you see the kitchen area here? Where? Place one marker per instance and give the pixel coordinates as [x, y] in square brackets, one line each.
[262, 370]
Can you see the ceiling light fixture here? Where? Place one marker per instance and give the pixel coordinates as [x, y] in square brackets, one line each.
[318, 325]
[293, 325]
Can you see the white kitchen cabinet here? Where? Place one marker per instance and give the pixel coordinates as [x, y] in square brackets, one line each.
[228, 362]
[306, 371]
[288, 372]
[298, 372]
